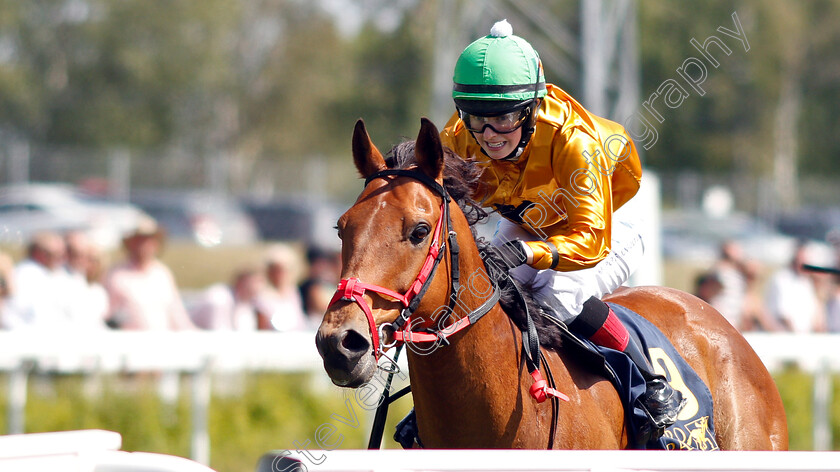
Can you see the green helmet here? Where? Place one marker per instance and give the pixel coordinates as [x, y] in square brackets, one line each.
[498, 73]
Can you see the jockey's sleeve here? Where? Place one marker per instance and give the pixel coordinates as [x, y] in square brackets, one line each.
[583, 239]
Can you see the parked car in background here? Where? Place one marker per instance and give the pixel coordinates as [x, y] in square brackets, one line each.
[692, 235]
[296, 218]
[818, 223]
[26, 209]
[204, 217]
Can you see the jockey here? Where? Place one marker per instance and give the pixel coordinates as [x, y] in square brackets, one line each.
[557, 174]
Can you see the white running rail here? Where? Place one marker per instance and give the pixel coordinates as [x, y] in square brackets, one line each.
[83, 451]
[545, 461]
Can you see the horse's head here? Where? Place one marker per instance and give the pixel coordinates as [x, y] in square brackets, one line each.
[389, 236]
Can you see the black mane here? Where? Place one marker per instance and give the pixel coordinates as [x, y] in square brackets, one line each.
[460, 177]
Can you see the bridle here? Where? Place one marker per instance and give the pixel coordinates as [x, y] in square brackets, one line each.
[352, 289]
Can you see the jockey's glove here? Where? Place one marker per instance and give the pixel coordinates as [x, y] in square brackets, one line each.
[514, 253]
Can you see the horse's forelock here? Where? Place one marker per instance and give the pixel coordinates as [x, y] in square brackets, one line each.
[460, 177]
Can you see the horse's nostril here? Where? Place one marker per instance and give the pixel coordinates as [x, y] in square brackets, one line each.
[354, 342]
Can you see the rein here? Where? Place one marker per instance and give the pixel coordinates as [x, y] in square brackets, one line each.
[352, 290]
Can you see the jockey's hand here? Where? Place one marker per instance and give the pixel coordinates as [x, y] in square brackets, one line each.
[514, 253]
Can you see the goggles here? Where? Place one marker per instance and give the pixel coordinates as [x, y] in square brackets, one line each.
[501, 124]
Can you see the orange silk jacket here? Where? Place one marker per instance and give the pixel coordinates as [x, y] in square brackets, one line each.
[575, 171]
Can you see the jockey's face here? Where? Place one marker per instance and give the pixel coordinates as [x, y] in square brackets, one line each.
[496, 145]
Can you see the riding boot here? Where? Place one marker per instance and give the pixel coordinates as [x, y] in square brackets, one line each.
[661, 402]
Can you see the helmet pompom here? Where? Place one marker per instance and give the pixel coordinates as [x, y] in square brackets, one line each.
[501, 29]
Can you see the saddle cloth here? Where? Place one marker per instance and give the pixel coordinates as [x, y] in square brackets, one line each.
[694, 429]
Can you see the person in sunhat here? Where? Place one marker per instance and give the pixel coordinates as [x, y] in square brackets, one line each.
[141, 290]
[557, 174]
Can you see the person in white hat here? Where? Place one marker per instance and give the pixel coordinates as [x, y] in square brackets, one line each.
[282, 301]
[142, 290]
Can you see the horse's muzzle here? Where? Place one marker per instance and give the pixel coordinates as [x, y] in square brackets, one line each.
[347, 356]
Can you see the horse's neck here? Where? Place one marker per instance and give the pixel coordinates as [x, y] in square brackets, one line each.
[463, 392]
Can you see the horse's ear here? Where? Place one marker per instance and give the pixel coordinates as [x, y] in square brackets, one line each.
[368, 159]
[428, 150]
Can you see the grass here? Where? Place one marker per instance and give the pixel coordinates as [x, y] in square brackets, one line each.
[196, 267]
[797, 390]
[249, 414]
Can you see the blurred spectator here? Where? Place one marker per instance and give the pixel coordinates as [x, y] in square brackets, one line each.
[832, 313]
[142, 291]
[282, 301]
[824, 289]
[7, 267]
[791, 298]
[754, 316]
[231, 307]
[317, 289]
[41, 287]
[88, 300]
[707, 286]
[728, 269]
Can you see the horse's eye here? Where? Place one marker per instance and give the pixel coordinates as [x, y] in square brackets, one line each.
[420, 233]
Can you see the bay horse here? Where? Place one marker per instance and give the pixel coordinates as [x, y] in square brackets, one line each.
[472, 391]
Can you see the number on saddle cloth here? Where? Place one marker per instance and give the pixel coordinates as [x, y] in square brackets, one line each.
[694, 429]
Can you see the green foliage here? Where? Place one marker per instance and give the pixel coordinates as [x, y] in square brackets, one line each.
[796, 388]
[260, 79]
[128, 405]
[733, 126]
[275, 412]
[111, 73]
[390, 86]
[834, 413]
[279, 80]
[251, 414]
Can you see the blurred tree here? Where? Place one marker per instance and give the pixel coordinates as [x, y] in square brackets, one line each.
[281, 80]
[388, 84]
[100, 74]
[286, 81]
[262, 78]
[766, 110]
[820, 143]
[700, 132]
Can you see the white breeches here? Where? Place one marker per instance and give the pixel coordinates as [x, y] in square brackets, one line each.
[565, 292]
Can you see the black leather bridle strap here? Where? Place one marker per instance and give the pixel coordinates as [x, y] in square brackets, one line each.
[414, 174]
